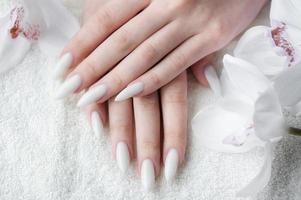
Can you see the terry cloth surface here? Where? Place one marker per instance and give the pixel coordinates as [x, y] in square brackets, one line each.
[48, 151]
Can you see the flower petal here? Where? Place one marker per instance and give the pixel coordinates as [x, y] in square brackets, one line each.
[288, 86]
[213, 125]
[245, 77]
[257, 47]
[12, 50]
[262, 178]
[59, 27]
[295, 110]
[288, 12]
[268, 119]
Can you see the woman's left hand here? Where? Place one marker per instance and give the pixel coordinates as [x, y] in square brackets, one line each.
[149, 121]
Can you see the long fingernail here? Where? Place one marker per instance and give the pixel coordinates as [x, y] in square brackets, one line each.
[68, 87]
[171, 165]
[122, 156]
[96, 123]
[92, 95]
[130, 91]
[148, 174]
[62, 66]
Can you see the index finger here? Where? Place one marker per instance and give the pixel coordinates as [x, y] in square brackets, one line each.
[99, 26]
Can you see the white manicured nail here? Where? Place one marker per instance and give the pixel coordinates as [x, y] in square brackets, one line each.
[148, 174]
[130, 91]
[92, 95]
[96, 124]
[122, 156]
[68, 87]
[62, 66]
[171, 165]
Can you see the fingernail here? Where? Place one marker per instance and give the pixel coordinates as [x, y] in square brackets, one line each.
[213, 80]
[62, 66]
[148, 174]
[171, 165]
[92, 95]
[130, 91]
[122, 156]
[68, 87]
[96, 123]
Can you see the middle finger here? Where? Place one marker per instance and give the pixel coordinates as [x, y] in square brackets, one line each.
[147, 121]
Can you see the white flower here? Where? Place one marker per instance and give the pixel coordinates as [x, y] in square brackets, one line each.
[248, 114]
[276, 48]
[45, 22]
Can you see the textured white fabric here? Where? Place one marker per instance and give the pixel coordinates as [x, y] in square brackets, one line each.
[48, 151]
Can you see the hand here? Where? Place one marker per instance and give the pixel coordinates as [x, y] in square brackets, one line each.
[145, 128]
[139, 46]
[147, 134]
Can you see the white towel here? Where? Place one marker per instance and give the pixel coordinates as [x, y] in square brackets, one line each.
[48, 151]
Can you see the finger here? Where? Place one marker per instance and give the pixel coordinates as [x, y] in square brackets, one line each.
[91, 7]
[147, 121]
[122, 42]
[198, 69]
[105, 21]
[97, 116]
[170, 67]
[140, 60]
[121, 132]
[174, 112]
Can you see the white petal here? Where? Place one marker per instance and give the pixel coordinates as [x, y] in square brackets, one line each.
[262, 178]
[288, 86]
[257, 47]
[212, 125]
[268, 119]
[12, 51]
[60, 27]
[288, 11]
[295, 110]
[47, 22]
[293, 34]
[213, 80]
[245, 77]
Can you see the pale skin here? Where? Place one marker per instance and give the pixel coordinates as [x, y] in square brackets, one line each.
[152, 42]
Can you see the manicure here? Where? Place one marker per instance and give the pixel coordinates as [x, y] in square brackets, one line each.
[122, 156]
[96, 123]
[171, 165]
[131, 91]
[92, 95]
[68, 87]
[148, 174]
[62, 66]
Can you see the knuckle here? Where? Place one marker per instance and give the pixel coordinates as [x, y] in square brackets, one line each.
[150, 53]
[123, 40]
[147, 102]
[120, 128]
[104, 19]
[149, 145]
[178, 60]
[154, 79]
[179, 5]
[91, 68]
[176, 97]
[218, 29]
[117, 80]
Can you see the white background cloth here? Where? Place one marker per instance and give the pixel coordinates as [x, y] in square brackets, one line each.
[48, 151]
